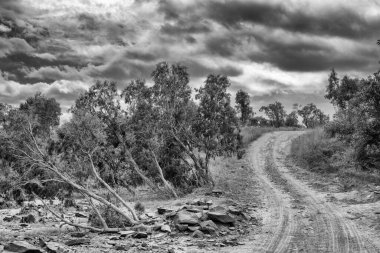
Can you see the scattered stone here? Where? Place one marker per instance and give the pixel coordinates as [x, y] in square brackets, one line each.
[78, 234]
[170, 215]
[181, 227]
[75, 242]
[198, 234]
[126, 233]
[193, 228]
[163, 210]
[9, 218]
[21, 247]
[24, 225]
[218, 209]
[123, 247]
[208, 227]
[140, 235]
[234, 210]
[185, 217]
[221, 217]
[81, 215]
[55, 247]
[141, 228]
[166, 228]
[28, 219]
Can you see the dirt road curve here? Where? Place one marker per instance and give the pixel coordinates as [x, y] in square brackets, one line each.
[297, 218]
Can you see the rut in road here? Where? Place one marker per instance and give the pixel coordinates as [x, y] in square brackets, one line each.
[299, 219]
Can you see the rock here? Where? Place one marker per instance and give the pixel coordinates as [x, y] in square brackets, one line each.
[81, 215]
[21, 247]
[10, 218]
[220, 209]
[193, 228]
[140, 235]
[78, 234]
[221, 217]
[166, 228]
[181, 227]
[28, 219]
[208, 227]
[185, 217]
[170, 215]
[209, 202]
[234, 210]
[163, 210]
[141, 228]
[80, 241]
[198, 234]
[126, 233]
[55, 247]
[122, 247]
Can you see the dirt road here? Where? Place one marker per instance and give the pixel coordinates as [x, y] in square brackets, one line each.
[296, 217]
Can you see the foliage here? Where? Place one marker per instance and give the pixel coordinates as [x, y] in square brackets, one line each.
[242, 101]
[275, 112]
[312, 116]
[358, 118]
[291, 120]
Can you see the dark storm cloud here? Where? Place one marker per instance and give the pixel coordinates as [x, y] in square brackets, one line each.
[332, 21]
[313, 56]
[184, 28]
[10, 8]
[222, 45]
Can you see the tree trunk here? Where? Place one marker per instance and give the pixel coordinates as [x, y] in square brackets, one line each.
[109, 188]
[168, 186]
[52, 168]
[197, 164]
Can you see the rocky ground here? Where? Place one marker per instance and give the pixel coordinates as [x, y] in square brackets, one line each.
[261, 203]
[208, 220]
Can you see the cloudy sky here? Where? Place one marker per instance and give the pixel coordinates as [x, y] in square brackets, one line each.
[275, 50]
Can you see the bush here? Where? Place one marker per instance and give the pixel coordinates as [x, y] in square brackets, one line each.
[315, 151]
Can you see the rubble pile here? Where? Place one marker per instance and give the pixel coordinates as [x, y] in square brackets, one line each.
[198, 222]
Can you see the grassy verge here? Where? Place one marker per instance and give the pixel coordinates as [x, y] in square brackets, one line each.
[331, 160]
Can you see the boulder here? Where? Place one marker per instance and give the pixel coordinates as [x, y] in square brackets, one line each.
[21, 247]
[208, 227]
[219, 209]
[198, 234]
[221, 217]
[185, 217]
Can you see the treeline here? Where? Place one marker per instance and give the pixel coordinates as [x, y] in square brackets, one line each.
[161, 135]
[357, 121]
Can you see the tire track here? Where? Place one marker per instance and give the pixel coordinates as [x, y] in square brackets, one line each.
[323, 229]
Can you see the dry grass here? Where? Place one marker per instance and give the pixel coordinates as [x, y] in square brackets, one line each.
[330, 160]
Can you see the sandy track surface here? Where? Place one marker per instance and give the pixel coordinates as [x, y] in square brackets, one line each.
[297, 218]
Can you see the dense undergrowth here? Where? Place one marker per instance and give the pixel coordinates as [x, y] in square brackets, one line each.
[331, 158]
